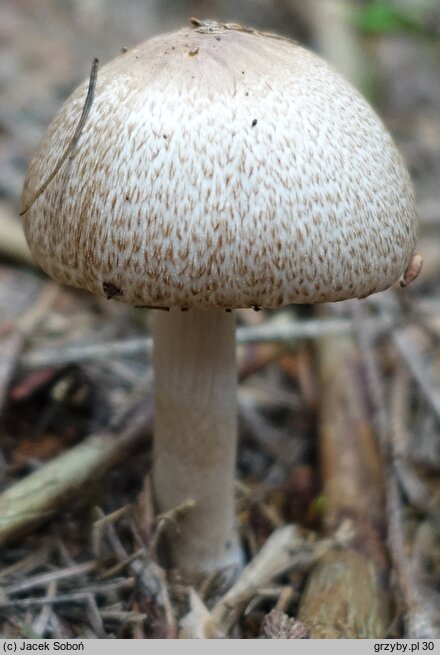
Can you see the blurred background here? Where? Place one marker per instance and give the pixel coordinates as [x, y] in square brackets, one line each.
[389, 48]
[63, 375]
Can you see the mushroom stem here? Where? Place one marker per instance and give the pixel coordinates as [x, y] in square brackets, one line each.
[196, 436]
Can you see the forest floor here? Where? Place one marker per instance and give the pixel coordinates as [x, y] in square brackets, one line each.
[338, 493]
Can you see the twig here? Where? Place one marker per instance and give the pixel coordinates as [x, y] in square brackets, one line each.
[418, 618]
[44, 579]
[265, 333]
[285, 597]
[95, 617]
[409, 343]
[28, 563]
[107, 519]
[285, 549]
[75, 597]
[38, 496]
[59, 628]
[150, 577]
[40, 624]
[144, 512]
[104, 522]
[117, 568]
[166, 518]
[199, 622]
[376, 390]
[400, 403]
[74, 140]
[346, 596]
[122, 617]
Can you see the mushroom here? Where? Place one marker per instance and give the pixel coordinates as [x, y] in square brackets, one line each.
[218, 168]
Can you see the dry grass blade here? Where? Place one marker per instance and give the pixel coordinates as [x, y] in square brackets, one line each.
[74, 140]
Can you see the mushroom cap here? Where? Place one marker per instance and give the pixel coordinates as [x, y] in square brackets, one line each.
[221, 167]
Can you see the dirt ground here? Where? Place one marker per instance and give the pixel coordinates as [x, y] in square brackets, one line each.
[338, 495]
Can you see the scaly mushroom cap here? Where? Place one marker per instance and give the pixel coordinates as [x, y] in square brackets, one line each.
[221, 168]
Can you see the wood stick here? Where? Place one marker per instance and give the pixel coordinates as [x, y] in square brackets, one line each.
[274, 558]
[39, 625]
[284, 333]
[44, 579]
[199, 623]
[81, 596]
[346, 596]
[35, 498]
[285, 549]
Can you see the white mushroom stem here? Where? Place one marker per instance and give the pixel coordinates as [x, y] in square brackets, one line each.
[196, 436]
